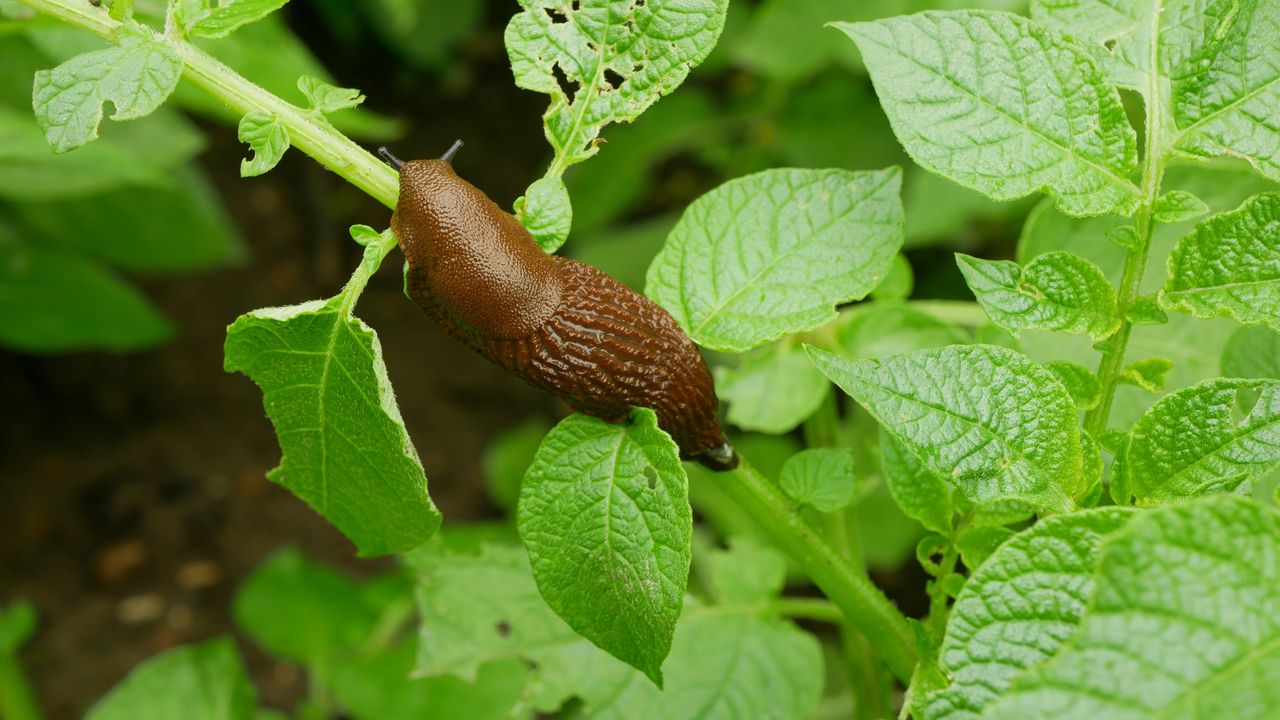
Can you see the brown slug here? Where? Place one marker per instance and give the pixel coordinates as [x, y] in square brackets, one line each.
[556, 323]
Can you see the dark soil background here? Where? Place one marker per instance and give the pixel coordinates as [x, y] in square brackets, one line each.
[133, 496]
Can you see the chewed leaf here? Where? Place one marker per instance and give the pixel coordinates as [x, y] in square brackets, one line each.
[324, 97]
[135, 76]
[988, 419]
[1185, 622]
[346, 450]
[1230, 265]
[606, 61]
[1056, 291]
[774, 253]
[268, 139]
[997, 103]
[604, 512]
[1191, 442]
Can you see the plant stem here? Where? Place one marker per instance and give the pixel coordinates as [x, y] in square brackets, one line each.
[858, 598]
[308, 130]
[17, 701]
[806, 609]
[1135, 259]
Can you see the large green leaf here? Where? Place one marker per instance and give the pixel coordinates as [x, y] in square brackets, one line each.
[1194, 442]
[1230, 265]
[775, 252]
[346, 451]
[995, 102]
[1056, 291]
[57, 301]
[989, 419]
[606, 61]
[134, 76]
[604, 512]
[194, 682]
[1018, 609]
[1185, 623]
[379, 687]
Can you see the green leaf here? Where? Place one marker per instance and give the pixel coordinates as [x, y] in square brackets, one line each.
[774, 253]
[899, 281]
[993, 422]
[1147, 374]
[346, 451]
[920, 493]
[1229, 88]
[545, 211]
[426, 33]
[508, 458]
[1056, 291]
[748, 573]
[303, 611]
[194, 682]
[1145, 310]
[138, 230]
[17, 624]
[821, 478]
[976, 543]
[1252, 352]
[722, 664]
[1017, 609]
[772, 389]
[1121, 33]
[1193, 442]
[55, 301]
[1080, 382]
[135, 76]
[379, 688]
[604, 512]
[1178, 206]
[996, 103]
[616, 58]
[1185, 620]
[325, 98]
[229, 15]
[268, 139]
[140, 153]
[875, 329]
[1230, 265]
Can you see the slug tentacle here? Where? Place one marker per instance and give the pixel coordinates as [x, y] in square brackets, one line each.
[559, 324]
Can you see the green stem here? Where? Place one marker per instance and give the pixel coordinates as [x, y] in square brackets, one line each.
[1135, 259]
[936, 621]
[17, 701]
[806, 609]
[308, 130]
[862, 603]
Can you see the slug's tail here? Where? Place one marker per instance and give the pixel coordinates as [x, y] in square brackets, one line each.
[718, 458]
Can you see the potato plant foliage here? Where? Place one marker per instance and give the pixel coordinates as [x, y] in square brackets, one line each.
[1082, 457]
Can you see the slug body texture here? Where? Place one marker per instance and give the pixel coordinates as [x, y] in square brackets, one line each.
[559, 324]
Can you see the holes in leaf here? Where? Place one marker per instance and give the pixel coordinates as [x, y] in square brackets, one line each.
[614, 79]
[639, 3]
[651, 476]
[577, 5]
[1109, 44]
[567, 86]
[557, 16]
[637, 68]
[504, 628]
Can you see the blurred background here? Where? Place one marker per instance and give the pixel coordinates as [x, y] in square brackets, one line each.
[133, 495]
